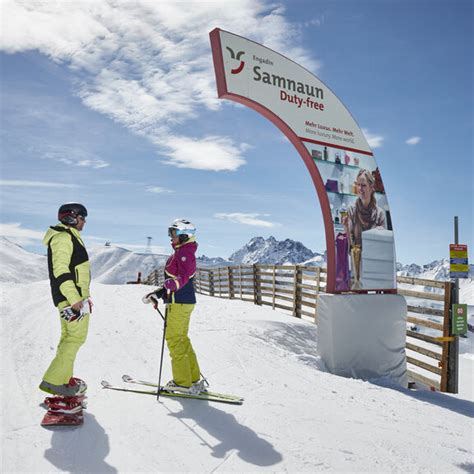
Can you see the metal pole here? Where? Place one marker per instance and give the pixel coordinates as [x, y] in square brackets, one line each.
[162, 352]
[456, 241]
[164, 331]
[453, 357]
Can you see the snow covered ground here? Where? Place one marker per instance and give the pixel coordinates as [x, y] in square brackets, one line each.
[296, 417]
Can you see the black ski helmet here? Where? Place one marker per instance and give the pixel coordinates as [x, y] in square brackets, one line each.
[67, 213]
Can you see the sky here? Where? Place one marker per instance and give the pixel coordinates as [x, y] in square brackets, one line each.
[114, 105]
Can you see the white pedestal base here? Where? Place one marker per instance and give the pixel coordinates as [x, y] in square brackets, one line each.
[363, 336]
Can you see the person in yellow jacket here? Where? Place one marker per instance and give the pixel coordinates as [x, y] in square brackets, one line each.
[69, 275]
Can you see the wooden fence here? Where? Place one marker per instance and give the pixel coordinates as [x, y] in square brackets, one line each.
[295, 288]
[428, 333]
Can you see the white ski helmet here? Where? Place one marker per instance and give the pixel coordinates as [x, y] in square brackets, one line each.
[182, 228]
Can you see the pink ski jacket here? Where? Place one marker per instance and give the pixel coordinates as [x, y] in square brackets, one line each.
[179, 272]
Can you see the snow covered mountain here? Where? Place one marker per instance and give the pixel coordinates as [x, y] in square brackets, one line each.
[116, 265]
[439, 270]
[272, 251]
[20, 266]
[205, 261]
[436, 270]
[109, 264]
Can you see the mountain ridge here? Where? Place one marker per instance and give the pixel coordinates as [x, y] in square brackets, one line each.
[116, 265]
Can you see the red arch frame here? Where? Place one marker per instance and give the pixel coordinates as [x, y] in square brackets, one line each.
[223, 93]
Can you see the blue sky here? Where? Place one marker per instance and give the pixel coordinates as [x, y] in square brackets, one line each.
[116, 107]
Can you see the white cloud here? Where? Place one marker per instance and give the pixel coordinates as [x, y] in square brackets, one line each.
[313, 22]
[247, 219]
[19, 234]
[413, 141]
[375, 141]
[157, 190]
[147, 65]
[72, 156]
[209, 153]
[35, 184]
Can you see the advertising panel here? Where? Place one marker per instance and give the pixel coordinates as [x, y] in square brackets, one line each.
[359, 236]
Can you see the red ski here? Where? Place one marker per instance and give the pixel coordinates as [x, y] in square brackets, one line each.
[64, 411]
[61, 419]
[65, 405]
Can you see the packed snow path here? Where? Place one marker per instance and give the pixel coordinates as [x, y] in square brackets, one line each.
[296, 417]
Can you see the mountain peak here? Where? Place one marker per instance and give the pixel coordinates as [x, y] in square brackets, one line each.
[272, 251]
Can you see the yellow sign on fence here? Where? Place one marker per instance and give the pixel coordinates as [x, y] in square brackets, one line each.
[458, 261]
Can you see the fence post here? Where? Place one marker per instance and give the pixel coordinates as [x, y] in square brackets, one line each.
[297, 275]
[274, 286]
[445, 351]
[230, 277]
[257, 299]
[211, 282]
[453, 346]
[240, 281]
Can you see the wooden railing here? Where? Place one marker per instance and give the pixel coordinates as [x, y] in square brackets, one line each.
[295, 288]
[428, 330]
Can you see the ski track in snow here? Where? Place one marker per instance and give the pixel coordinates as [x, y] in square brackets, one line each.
[296, 417]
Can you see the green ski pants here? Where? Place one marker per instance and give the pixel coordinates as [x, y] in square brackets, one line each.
[73, 335]
[184, 363]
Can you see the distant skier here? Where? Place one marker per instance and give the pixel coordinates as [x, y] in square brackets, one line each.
[69, 274]
[178, 292]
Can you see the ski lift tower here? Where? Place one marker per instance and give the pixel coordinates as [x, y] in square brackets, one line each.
[148, 245]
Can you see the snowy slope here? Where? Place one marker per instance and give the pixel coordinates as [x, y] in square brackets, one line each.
[111, 264]
[17, 264]
[116, 265]
[296, 417]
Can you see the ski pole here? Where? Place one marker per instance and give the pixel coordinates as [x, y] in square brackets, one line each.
[162, 352]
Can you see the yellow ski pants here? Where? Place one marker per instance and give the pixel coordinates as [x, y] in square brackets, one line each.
[184, 363]
[73, 335]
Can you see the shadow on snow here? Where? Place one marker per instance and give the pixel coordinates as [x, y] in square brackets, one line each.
[230, 433]
[80, 448]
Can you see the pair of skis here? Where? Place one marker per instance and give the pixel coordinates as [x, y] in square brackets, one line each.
[68, 411]
[206, 395]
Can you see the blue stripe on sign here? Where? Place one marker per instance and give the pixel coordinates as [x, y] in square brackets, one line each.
[458, 274]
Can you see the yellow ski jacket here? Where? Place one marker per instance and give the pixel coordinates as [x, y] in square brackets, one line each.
[68, 265]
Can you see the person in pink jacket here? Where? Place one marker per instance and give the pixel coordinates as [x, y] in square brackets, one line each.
[180, 297]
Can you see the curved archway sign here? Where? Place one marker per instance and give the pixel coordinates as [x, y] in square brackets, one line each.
[359, 236]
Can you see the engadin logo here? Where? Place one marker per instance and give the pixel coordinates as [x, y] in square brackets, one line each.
[237, 70]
